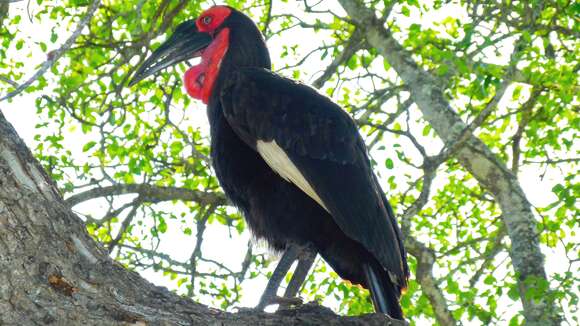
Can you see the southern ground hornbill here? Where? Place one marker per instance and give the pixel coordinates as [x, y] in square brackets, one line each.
[289, 158]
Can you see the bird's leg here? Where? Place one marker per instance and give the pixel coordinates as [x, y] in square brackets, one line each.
[269, 296]
[305, 262]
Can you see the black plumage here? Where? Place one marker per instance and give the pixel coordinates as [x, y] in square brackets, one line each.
[351, 223]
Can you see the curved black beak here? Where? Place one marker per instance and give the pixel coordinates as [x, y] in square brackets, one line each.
[185, 43]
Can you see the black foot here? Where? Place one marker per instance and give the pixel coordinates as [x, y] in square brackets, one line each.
[305, 256]
[278, 275]
[305, 261]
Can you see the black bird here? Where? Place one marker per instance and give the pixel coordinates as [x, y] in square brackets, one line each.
[288, 157]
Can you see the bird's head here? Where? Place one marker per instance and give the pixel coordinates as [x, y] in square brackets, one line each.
[223, 37]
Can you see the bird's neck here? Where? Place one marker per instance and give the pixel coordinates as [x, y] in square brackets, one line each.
[199, 80]
[231, 49]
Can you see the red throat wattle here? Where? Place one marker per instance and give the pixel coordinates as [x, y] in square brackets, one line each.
[199, 80]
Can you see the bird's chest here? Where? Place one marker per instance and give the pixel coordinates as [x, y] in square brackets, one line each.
[270, 204]
[240, 169]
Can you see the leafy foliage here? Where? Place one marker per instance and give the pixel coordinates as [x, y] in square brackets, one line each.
[134, 161]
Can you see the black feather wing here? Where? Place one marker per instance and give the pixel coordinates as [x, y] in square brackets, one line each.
[324, 144]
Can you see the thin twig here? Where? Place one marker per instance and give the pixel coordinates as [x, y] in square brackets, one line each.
[57, 54]
[9, 81]
[354, 44]
[466, 133]
[268, 19]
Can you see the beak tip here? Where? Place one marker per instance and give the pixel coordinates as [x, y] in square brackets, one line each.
[179, 47]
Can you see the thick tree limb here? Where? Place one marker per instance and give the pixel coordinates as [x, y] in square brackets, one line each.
[53, 272]
[475, 156]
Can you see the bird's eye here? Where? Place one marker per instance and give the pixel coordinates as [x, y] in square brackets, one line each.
[206, 20]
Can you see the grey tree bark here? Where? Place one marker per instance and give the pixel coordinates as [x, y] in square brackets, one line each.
[475, 156]
[52, 272]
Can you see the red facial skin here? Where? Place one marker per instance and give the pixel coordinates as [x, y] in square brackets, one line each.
[199, 80]
[212, 18]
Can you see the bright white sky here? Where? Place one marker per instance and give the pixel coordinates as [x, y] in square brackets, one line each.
[22, 114]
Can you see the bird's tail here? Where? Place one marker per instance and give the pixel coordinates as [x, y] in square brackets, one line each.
[385, 295]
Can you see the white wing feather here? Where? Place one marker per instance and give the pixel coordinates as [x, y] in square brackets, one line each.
[279, 161]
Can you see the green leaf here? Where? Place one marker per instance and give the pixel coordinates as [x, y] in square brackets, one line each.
[513, 292]
[426, 130]
[89, 145]
[442, 70]
[352, 63]
[514, 321]
[162, 227]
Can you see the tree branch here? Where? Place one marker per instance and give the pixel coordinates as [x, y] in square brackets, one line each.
[149, 193]
[425, 255]
[57, 54]
[8, 81]
[467, 132]
[124, 225]
[493, 249]
[354, 43]
[69, 277]
[476, 157]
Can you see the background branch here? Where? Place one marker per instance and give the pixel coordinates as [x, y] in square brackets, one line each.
[57, 54]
